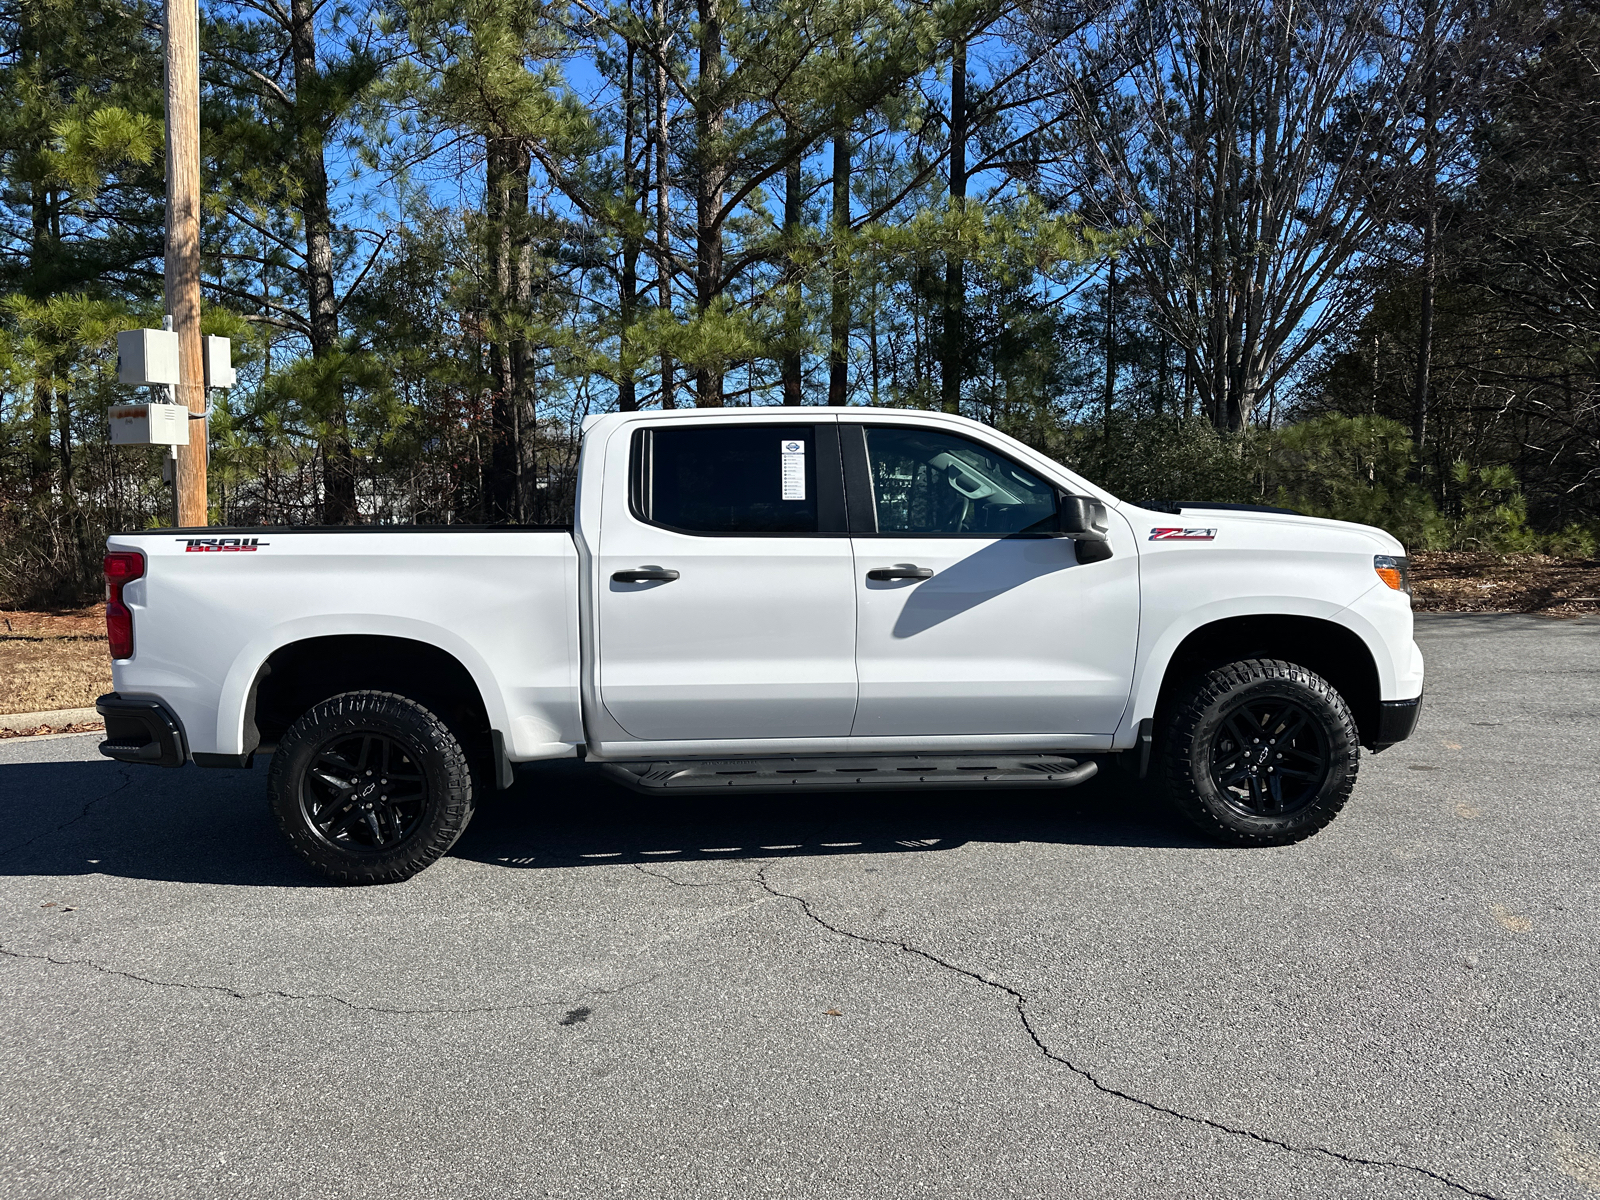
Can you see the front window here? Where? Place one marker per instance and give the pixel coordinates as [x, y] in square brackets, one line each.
[935, 483]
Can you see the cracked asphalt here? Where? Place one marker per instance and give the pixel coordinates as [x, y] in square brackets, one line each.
[985, 994]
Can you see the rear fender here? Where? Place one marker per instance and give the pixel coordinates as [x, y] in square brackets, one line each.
[238, 689]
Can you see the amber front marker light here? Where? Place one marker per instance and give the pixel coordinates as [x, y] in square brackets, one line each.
[1396, 572]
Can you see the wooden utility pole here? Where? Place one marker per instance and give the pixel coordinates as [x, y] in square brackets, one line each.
[182, 281]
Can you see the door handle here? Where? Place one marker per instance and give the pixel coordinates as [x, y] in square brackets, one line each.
[903, 572]
[645, 575]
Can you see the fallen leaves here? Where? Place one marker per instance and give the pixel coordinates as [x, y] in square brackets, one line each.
[75, 727]
[1466, 581]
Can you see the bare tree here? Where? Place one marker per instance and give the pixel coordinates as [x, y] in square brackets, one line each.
[1261, 144]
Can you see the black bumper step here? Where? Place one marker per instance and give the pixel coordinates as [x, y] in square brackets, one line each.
[140, 729]
[850, 772]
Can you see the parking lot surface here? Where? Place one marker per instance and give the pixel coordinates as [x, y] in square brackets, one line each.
[984, 994]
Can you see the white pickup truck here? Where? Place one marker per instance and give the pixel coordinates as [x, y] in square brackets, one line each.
[777, 598]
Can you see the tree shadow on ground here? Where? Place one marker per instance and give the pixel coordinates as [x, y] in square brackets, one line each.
[195, 826]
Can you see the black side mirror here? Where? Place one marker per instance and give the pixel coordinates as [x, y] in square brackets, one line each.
[1082, 519]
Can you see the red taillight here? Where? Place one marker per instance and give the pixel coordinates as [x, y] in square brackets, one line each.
[121, 567]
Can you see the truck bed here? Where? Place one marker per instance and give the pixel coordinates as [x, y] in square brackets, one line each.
[215, 604]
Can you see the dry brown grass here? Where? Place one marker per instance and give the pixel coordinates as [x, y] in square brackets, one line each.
[51, 660]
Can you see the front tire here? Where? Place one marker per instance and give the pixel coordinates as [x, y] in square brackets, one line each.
[370, 787]
[1260, 753]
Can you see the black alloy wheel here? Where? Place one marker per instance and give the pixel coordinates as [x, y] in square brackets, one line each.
[1259, 752]
[370, 787]
[364, 791]
[1269, 757]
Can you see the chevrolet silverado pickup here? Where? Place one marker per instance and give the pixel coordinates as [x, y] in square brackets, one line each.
[770, 599]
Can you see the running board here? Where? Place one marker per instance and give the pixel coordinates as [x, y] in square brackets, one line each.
[852, 773]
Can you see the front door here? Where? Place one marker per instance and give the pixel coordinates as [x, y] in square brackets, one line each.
[970, 620]
[726, 601]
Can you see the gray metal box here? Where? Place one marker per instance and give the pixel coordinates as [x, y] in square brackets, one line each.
[149, 424]
[219, 362]
[147, 356]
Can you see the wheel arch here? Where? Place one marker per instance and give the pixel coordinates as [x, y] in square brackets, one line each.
[301, 673]
[1333, 650]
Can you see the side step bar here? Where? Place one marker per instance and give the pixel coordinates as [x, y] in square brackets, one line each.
[850, 773]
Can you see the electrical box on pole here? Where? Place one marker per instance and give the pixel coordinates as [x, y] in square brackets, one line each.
[150, 358]
[149, 425]
[147, 356]
[219, 362]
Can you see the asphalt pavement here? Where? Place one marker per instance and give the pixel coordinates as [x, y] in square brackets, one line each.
[975, 995]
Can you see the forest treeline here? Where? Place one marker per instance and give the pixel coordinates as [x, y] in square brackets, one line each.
[1337, 254]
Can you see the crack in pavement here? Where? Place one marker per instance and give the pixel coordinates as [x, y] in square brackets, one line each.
[1020, 1002]
[235, 994]
[643, 870]
[126, 781]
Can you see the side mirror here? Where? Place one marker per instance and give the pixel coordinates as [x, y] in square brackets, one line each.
[1082, 519]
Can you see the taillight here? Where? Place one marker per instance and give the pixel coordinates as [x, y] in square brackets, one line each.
[1396, 572]
[122, 567]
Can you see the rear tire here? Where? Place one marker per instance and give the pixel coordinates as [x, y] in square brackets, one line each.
[1260, 753]
[370, 787]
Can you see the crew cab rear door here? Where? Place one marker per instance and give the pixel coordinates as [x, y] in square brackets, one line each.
[970, 621]
[725, 589]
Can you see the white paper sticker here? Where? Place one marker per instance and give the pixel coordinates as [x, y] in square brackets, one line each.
[794, 469]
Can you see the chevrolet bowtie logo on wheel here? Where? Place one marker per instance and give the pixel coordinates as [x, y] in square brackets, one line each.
[1182, 535]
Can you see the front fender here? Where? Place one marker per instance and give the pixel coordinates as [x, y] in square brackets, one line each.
[1379, 629]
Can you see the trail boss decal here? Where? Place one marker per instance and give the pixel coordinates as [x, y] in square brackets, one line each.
[207, 545]
[1182, 535]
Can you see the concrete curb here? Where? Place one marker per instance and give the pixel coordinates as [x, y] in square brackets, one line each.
[27, 722]
[28, 738]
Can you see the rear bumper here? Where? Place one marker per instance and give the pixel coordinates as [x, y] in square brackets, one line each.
[1396, 721]
[141, 729]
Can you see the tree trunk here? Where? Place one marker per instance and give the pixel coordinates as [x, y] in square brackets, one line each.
[524, 380]
[499, 480]
[628, 285]
[710, 174]
[1111, 344]
[41, 251]
[839, 320]
[338, 458]
[511, 465]
[663, 197]
[1430, 238]
[790, 367]
[955, 283]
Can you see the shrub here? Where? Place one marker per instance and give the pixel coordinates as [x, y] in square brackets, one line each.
[1355, 469]
[1168, 458]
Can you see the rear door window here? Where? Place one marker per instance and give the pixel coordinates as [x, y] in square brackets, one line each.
[738, 479]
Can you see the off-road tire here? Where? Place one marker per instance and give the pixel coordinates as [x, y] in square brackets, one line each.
[1195, 722]
[434, 822]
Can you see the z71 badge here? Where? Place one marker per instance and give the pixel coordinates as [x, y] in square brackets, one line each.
[1182, 535]
[208, 545]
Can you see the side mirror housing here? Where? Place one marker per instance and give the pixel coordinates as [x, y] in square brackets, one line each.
[1082, 519]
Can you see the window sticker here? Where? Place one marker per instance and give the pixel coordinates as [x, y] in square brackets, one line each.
[794, 469]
